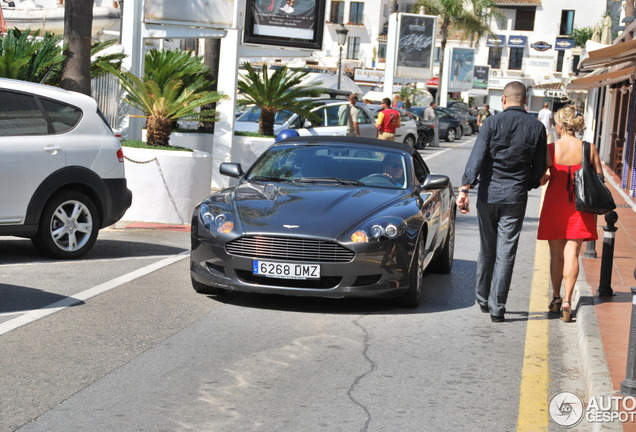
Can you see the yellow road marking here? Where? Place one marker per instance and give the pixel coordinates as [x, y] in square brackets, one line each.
[533, 394]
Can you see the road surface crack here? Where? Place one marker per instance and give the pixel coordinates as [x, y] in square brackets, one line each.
[359, 378]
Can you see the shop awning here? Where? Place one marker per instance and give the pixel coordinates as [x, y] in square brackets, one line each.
[612, 55]
[594, 80]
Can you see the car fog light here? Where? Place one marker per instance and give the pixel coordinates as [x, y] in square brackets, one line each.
[359, 237]
[391, 231]
[226, 227]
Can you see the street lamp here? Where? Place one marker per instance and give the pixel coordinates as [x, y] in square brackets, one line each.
[341, 34]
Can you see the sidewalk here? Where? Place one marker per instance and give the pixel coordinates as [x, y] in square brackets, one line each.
[610, 317]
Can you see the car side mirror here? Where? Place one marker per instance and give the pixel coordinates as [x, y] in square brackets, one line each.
[231, 169]
[435, 181]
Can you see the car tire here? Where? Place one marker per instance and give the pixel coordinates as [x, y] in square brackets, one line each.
[206, 289]
[450, 135]
[412, 297]
[68, 226]
[460, 132]
[443, 263]
[410, 140]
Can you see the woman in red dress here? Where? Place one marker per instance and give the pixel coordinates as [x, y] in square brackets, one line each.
[560, 223]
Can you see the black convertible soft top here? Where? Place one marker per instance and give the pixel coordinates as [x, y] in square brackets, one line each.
[321, 139]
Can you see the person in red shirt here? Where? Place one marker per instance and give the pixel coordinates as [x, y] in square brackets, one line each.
[388, 121]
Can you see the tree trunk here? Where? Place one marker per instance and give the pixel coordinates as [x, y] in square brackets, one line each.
[158, 132]
[266, 122]
[629, 8]
[76, 68]
[211, 56]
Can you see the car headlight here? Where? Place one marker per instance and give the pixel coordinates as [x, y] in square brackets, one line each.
[389, 227]
[220, 222]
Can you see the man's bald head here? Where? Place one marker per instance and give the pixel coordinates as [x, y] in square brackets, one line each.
[515, 93]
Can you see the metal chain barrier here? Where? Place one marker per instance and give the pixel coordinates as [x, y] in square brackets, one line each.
[163, 178]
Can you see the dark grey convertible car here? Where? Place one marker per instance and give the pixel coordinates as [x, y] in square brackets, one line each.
[329, 217]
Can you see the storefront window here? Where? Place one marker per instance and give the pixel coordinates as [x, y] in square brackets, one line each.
[494, 57]
[516, 58]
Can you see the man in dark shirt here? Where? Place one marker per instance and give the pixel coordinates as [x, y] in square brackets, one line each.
[508, 159]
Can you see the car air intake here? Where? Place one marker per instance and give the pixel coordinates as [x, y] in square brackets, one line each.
[289, 249]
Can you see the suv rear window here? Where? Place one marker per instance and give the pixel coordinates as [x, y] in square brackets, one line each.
[63, 117]
[20, 115]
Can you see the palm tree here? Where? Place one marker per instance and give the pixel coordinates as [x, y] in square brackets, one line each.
[163, 105]
[165, 66]
[78, 20]
[279, 91]
[113, 59]
[30, 58]
[458, 15]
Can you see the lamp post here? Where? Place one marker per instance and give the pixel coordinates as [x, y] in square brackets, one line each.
[341, 34]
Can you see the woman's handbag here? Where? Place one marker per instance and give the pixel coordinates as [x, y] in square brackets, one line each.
[592, 196]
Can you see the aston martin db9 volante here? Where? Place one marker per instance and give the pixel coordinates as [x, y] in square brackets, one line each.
[329, 217]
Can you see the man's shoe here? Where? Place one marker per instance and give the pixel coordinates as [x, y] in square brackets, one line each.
[497, 318]
[484, 308]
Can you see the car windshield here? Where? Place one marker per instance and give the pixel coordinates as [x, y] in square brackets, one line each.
[349, 165]
[253, 114]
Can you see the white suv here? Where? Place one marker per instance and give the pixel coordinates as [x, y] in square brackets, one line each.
[61, 169]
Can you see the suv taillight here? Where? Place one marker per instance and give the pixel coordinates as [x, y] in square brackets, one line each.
[120, 154]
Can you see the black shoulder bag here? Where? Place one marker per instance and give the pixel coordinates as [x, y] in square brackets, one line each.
[592, 196]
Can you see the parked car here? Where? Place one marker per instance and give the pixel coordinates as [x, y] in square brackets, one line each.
[305, 221]
[328, 122]
[461, 105]
[466, 129]
[450, 127]
[470, 119]
[407, 132]
[61, 169]
[425, 131]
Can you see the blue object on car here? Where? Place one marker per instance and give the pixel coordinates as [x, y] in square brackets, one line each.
[286, 133]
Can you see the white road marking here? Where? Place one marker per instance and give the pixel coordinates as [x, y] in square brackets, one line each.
[45, 311]
[431, 156]
[85, 261]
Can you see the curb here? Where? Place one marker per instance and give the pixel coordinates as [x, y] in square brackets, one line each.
[598, 381]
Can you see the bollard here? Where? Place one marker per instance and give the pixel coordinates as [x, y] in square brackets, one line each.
[605, 285]
[628, 386]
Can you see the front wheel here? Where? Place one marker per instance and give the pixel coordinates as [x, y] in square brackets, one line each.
[68, 227]
[409, 140]
[450, 135]
[412, 297]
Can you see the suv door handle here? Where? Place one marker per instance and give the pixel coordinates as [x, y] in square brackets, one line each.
[53, 149]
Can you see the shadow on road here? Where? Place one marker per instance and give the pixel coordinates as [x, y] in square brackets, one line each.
[441, 293]
[14, 298]
[19, 251]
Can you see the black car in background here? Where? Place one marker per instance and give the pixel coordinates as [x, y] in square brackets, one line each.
[471, 119]
[450, 127]
[425, 131]
[466, 129]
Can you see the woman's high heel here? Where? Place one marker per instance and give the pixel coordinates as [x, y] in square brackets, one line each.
[566, 311]
[555, 305]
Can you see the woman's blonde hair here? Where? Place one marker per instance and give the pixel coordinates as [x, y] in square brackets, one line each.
[571, 118]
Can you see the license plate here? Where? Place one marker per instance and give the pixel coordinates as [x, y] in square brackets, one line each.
[286, 270]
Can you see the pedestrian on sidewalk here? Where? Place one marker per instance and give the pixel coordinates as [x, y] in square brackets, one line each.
[560, 223]
[508, 159]
[388, 121]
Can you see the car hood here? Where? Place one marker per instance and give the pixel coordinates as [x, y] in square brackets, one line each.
[313, 210]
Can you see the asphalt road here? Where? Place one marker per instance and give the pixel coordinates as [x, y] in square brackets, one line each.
[131, 347]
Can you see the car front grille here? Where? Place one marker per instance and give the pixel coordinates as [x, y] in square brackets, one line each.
[289, 249]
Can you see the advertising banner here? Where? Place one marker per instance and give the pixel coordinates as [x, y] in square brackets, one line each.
[480, 77]
[285, 23]
[415, 46]
[462, 61]
[203, 13]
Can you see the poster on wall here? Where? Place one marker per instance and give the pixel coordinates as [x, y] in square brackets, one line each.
[480, 77]
[460, 77]
[415, 46]
[285, 23]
